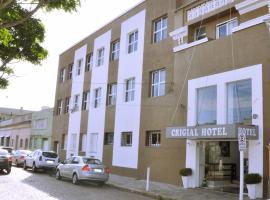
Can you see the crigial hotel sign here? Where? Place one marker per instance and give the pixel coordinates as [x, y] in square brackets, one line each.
[206, 7]
[227, 131]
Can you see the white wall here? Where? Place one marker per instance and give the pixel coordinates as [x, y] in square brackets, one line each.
[127, 116]
[255, 150]
[77, 88]
[96, 119]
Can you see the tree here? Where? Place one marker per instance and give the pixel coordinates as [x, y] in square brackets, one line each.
[21, 34]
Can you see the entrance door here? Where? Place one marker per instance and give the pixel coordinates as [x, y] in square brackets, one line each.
[221, 169]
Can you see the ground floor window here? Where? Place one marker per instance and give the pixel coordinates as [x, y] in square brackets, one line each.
[126, 139]
[153, 138]
[108, 139]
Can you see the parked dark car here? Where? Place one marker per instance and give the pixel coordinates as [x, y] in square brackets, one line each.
[5, 161]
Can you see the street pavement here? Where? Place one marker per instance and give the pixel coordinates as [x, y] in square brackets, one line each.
[25, 185]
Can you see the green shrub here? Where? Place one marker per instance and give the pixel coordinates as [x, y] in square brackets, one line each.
[252, 178]
[186, 172]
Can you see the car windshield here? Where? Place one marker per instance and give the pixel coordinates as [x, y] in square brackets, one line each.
[91, 161]
[49, 154]
[8, 149]
[3, 152]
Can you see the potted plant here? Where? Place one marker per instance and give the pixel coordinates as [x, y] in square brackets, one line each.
[185, 173]
[252, 180]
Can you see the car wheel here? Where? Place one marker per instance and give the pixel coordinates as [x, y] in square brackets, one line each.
[58, 175]
[34, 169]
[16, 163]
[75, 179]
[8, 170]
[24, 165]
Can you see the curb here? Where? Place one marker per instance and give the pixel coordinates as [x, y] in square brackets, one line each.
[143, 193]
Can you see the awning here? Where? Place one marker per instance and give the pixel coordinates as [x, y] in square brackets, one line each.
[227, 131]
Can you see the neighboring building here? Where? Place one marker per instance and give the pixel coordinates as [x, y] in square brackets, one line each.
[8, 113]
[15, 132]
[41, 129]
[120, 88]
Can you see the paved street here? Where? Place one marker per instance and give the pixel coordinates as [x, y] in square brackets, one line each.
[24, 185]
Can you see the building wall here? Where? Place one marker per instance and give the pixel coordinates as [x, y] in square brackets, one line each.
[247, 47]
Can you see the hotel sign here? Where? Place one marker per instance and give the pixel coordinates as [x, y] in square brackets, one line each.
[228, 131]
[206, 7]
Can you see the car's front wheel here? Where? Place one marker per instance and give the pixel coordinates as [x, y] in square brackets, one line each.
[75, 179]
[8, 170]
[58, 175]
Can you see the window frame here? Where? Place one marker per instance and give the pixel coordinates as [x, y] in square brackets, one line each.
[149, 137]
[115, 52]
[76, 101]
[86, 100]
[227, 27]
[70, 71]
[133, 43]
[112, 96]
[59, 107]
[100, 56]
[97, 97]
[79, 67]
[159, 83]
[89, 62]
[109, 138]
[67, 105]
[62, 75]
[130, 92]
[162, 28]
[124, 142]
[204, 35]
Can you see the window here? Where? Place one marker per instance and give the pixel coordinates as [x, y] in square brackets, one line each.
[133, 42]
[115, 50]
[84, 137]
[76, 103]
[112, 89]
[62, 75]
[26, 143]
[40, 124]
[70, 69]
[79, 67]
[21, 143]
[85, 102]
[59, 107]
[158, 83]
[200, 33]
[152, 138]
[225, 28]
[97, 97]
[73, 143]
[64, 142]
[130, 90]
[100, 57]
[93, 142]
[126, 139]
[239, 102]
[108, 139]
[67, 100]
[89, 62]
[207, 106]
[160, 29]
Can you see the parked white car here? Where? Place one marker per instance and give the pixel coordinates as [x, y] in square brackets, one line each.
[41, 160]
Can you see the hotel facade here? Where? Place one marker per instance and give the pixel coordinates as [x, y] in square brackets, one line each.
[167, 85]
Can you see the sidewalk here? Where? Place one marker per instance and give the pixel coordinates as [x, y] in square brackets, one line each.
[163, 191]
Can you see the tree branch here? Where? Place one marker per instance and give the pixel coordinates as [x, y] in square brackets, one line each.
[4, 4]
[27, 16]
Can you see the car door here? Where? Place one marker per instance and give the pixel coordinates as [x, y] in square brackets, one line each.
[64, 167]
[72, 166]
